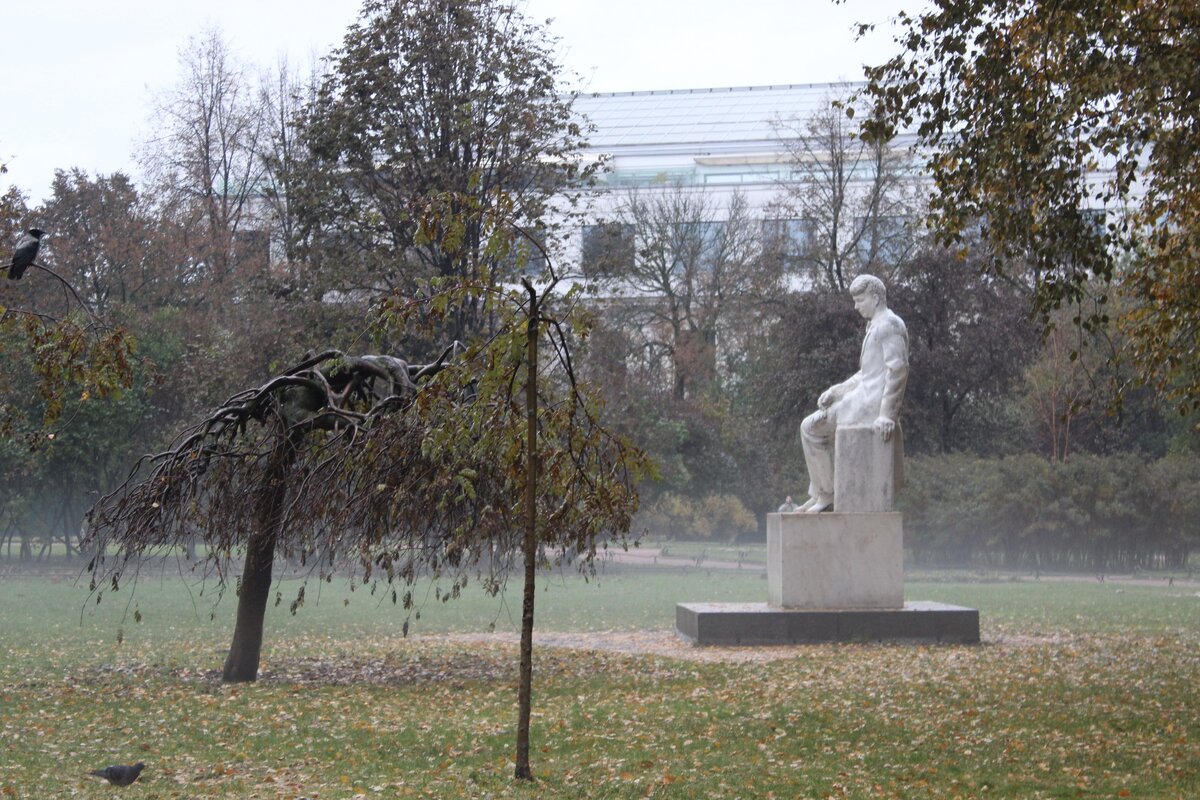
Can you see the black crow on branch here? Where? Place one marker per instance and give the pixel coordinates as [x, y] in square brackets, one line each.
[26, 252]
[120, 774]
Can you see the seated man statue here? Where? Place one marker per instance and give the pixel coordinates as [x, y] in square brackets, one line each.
[869, 397]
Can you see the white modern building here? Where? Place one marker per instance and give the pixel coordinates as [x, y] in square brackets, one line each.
[714, 139]
[713, 142]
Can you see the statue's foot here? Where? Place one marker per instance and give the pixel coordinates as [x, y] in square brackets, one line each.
[818, 504]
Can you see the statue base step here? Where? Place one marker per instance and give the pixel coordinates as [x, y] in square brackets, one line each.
[758, 624]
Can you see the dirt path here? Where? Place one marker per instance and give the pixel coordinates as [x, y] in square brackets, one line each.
[653, 557]
[669, 644]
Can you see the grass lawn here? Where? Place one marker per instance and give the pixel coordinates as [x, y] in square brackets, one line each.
[1081, 690]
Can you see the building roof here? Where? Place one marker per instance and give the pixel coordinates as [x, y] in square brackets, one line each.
[700, 116]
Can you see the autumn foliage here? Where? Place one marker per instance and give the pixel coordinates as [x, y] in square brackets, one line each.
[1066, 133]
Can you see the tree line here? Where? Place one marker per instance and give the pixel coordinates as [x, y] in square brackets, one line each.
[1091, 512]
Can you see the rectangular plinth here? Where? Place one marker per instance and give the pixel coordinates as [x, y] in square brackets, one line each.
[758, 624]
[866, 469]
[835, 560]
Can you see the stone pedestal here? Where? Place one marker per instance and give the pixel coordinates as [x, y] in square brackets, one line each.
[835, 560]
[831, 577]
[866, 469]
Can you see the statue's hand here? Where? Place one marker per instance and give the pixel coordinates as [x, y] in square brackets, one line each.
[884, 427]
[825, 400]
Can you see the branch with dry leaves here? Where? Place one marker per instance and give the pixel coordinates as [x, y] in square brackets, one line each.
[207, 483]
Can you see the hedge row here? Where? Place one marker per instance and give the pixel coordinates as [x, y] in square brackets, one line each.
[1102, 513]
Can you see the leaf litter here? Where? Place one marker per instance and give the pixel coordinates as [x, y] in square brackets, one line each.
[624, 714]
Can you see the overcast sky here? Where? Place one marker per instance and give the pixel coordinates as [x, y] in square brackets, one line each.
[79, 75]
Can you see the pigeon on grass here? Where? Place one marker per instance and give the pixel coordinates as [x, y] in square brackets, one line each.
[26, 253]
[120, 774]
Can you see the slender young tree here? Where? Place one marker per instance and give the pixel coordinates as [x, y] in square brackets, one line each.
[533, 323]
[529, 450]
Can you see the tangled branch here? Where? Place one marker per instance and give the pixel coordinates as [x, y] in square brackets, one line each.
[210, 481]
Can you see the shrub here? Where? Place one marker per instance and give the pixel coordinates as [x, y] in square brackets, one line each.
[714, 516]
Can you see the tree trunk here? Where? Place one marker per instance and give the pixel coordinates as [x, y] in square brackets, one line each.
[525, 688]
[241, 666]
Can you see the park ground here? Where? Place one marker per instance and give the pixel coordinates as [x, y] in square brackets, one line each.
[1081, 688]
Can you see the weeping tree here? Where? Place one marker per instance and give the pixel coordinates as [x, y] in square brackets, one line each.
[490, 456]
[254, 476]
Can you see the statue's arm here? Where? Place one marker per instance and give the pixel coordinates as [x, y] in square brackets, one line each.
[895, 359]
[838, 391]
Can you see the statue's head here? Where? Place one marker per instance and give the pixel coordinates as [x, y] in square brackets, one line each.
[864, 284]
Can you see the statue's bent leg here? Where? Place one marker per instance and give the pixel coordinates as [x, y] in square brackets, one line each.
[817, 436]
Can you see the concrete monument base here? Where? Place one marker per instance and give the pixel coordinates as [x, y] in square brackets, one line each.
[876, 471]
[835, 560]
[757, 624]
[831, 577]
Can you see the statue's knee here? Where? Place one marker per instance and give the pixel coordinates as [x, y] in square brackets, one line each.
[815, 424]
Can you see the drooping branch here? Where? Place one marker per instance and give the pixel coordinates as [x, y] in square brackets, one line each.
[205, 482]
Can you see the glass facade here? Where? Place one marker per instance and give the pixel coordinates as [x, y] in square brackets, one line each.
[719, 138]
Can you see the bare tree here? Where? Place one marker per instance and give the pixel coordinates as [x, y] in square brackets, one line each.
[694, 276]
[205, 166]
[849, 202]
[284, 92]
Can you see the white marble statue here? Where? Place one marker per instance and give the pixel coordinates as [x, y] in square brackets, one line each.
[870, 396]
